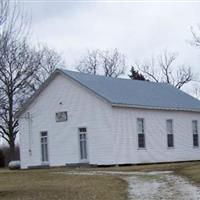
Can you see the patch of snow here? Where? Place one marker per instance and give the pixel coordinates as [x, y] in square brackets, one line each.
[116, 173]
[161, 186]
[144, 189]
[135, 173]
[89, 173]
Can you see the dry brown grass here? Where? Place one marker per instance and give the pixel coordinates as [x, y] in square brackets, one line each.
[192, 172]
[140, 167]
[47, 184]
[157, 167]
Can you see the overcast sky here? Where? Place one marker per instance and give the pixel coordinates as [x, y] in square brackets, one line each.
[139, 30]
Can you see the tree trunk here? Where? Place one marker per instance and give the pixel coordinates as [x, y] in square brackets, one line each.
[10, 120]
[12, 149]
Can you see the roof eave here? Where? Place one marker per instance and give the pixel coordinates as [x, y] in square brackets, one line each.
[154, 108]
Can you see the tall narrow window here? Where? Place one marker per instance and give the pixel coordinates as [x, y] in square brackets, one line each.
[141, 135]
[195, 133]
[170, 133]
[44, 147]
[83, 144]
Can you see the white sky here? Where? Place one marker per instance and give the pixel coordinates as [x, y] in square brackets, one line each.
[139, 30]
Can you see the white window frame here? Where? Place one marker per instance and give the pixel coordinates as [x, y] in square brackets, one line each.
[141, 132]
[195, 131]
[83, 160]
[44, 162]
[170, 132]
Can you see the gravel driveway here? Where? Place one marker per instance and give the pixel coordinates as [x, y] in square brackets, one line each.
[161, 186]
[153, 185]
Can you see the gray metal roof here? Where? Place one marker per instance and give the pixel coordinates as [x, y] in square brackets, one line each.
[134, 93]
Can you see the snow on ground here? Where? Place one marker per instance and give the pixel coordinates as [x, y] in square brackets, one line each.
[161, 186]
[153, 185]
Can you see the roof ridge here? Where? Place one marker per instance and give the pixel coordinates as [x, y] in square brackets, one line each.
[112, 78]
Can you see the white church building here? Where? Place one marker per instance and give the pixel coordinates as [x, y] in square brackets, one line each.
[80, 118]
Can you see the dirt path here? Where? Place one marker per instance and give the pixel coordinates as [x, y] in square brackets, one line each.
[154, 185]
[161, 186]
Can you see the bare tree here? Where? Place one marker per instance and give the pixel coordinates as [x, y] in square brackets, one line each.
[163, 69]
[3, 11]
[108, 63]
[22, 70]
[195, 37]
[113, 63]
[196, 91]
[18, 65]
[89, 63]
[195, 88]
[49, 61]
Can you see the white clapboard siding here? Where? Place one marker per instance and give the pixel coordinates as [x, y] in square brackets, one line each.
[84, 110]
[126, 138]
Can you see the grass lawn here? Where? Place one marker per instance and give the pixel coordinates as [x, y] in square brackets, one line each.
[45, 184]
[48, 184]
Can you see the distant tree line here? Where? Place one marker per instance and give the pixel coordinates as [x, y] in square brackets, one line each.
[163, 68]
